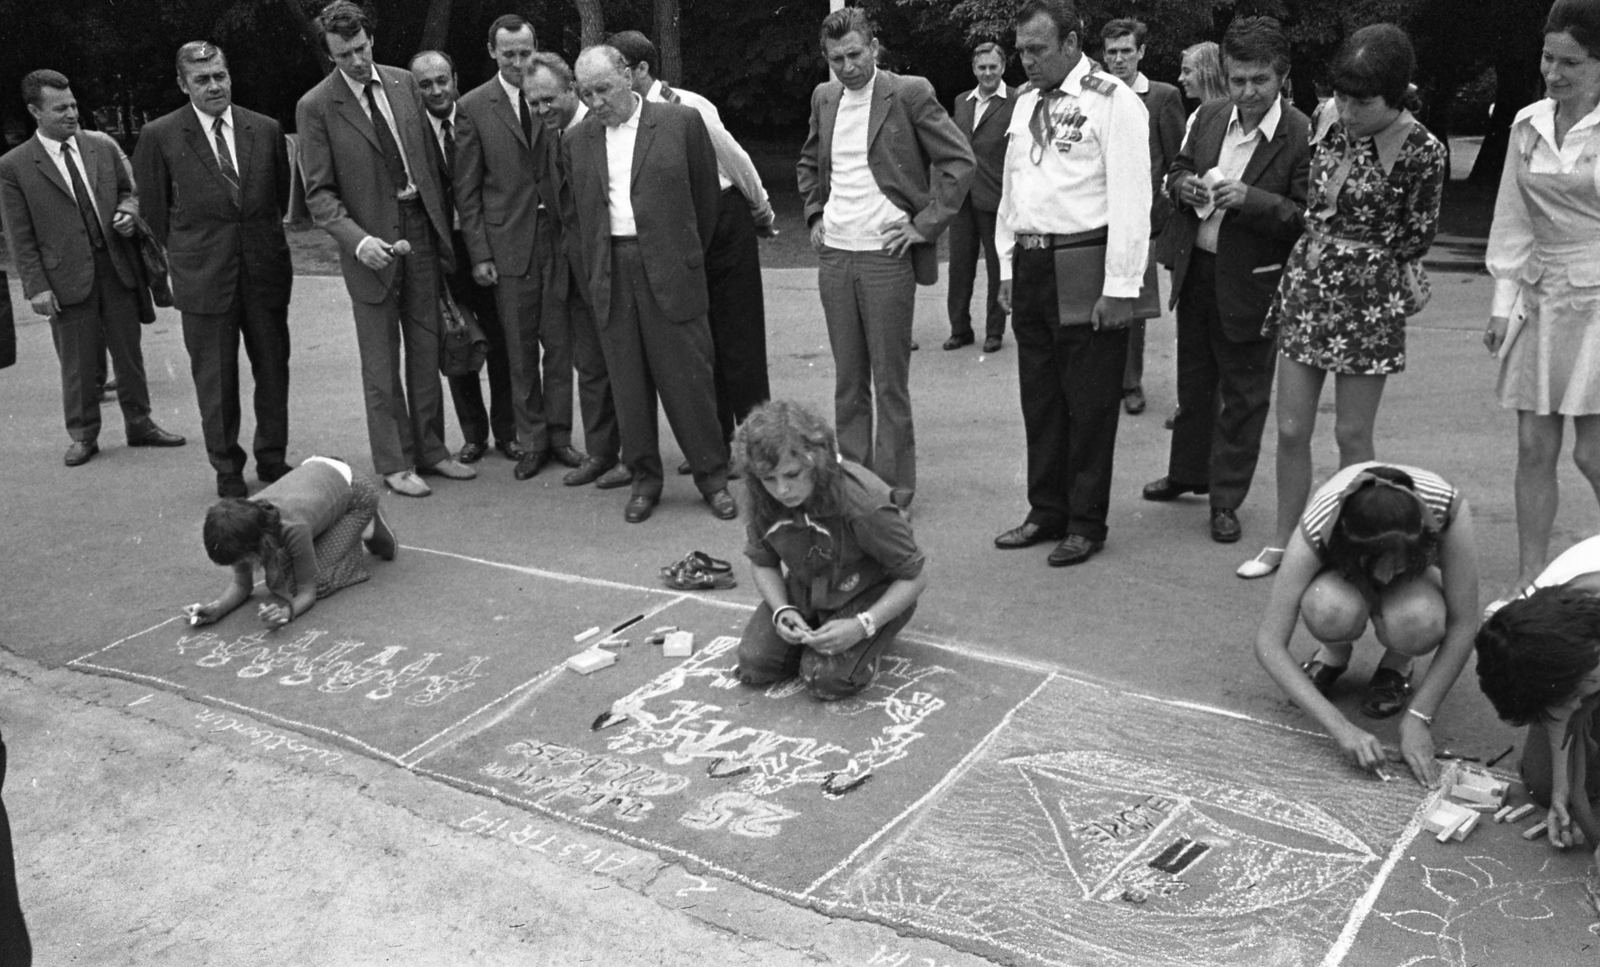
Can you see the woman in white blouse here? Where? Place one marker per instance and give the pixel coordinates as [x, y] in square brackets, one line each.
[1544, 251]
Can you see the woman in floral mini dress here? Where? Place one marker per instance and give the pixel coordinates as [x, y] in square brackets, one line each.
[1341, 307]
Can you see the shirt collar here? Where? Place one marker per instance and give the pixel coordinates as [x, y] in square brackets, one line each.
[1391, 139]
[1141, 83]
[512, 93]
[356, 87]
[438, 122]
[654, 93]
[53, 146]
[578, 115]
[1073, 82]
[1269, 121]
[1543, 117]
[976, 95]
[633, 119]
[207, 120]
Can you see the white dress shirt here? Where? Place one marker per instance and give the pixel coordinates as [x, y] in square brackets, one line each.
[857, 213]
[1237, 149]
[619, 170]
[578, 115]
[734, 167]
[1095, 173]
[976, 94]
[206, 125]
[384, 107]
[52, 147]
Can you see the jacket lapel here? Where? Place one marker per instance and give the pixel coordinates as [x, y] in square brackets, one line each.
[350, 108]
[641, 144]
[243, 143]
[882, 97]
[996, 105]
[505, 111]
[1263, 155]
[826, 118]
[200, 144]
[48, 169]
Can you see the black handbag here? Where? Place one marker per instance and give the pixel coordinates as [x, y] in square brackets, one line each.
[462, 344]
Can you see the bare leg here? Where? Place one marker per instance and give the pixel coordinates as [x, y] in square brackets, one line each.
[1299, 388]
[1586, 450]
[1355, 400]
[1538, 447]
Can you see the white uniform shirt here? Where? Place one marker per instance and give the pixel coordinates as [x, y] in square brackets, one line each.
[857, 211]
[619, 169]
[1094, 173]
[734, 167]
[52, 147]
[206, 122]
[1237, 149]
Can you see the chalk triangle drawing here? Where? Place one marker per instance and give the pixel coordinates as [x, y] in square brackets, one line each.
[1179, 843]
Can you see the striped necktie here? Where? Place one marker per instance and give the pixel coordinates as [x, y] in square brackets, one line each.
[225, 160]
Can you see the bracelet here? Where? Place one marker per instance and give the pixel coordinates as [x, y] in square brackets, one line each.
[1426, 719]
[867, 624]
[787, 607]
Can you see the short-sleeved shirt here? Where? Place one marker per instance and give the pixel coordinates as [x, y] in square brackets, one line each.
[829, 562]
[1437, 494]
[308, 499]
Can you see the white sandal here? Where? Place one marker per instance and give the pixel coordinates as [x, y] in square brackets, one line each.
[1262, 564]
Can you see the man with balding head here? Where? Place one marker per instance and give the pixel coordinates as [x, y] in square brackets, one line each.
[643, 204]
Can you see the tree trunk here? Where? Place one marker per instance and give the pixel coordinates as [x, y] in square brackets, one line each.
[436, 28]
[319, 50]
[668, 42]
[592, 20]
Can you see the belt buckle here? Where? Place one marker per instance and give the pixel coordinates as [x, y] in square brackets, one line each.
[1035, 241]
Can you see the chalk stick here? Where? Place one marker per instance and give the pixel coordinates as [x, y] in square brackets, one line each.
[1534, 831]
[586, 635]
[1449, 828]
[1500, 816]
[679, 644]
[1508, 750]
[1519, 812]
[664, 629]
[588, 662]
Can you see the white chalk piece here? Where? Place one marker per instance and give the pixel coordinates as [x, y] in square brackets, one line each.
[1500, 816]
[1446, 818]
[1519, 812]
[591, 661]
[1476, 786]
[679, 644]
[664, 629]
[586, 635]
[1535, 831]
[1461, 831]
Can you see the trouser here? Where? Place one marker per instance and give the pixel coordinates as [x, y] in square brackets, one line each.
[765, 658]
[595, 402]
[107, 319]
[541, 382]
[646, 354]
[737, 314]
[972, 231]
[213, 343]
[405, 423]
[1224, 393]
[15, 949]
[868, 299]
[476, 419]
[1071, 383]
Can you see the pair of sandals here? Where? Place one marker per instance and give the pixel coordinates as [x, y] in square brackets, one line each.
[699, 571]
[1387, 692]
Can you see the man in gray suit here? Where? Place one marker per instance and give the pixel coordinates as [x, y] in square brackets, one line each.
[67, 201]
[369, 184]
[215, 181]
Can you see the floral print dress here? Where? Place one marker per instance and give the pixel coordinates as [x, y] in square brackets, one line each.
[1373, 204]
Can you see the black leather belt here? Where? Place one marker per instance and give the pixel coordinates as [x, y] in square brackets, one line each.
[1032, 240]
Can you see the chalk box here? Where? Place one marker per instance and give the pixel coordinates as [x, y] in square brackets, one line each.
[1479, 787]
[679, 644]
[1452, 816]
[592, 660]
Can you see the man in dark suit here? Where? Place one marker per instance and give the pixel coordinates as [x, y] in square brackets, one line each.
[1124, 49]
[643, 203]
[67, 201]
[982, 114]
[1231, 239]
[215, 183]
[370, 184]
[882, 173]
[505, 192]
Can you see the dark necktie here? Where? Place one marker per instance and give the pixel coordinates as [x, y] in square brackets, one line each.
[91, 221]
[526, 119]
[669, 95]
[225, 159]
[448, 159]
[1041, 125]
[387, 144]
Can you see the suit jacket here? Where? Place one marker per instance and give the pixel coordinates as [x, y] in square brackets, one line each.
[1165, 106]
[675, 194]
[347, 182]
[210, 238]
[919, 158]
[500, 178]
[988, 142]
[1253, 242]
[49, 243]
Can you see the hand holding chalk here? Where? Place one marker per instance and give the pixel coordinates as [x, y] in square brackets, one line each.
[192, 612]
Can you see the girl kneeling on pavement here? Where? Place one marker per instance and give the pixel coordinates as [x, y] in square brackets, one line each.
[835, 560]
[1390, 545]
[306, 531]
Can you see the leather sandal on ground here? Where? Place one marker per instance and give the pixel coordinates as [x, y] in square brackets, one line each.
[683, 576]
[1322, 675]
[1387, 694]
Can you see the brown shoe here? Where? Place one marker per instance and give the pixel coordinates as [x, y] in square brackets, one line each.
[618, 476]
[81, 452]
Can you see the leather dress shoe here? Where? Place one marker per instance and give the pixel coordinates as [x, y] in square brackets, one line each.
[1165, 489]
[272, 472]
[618, 476]
[382, 543]
[530, 465]
[508, 450]
[639, 508]
[232, 485]
[81, 452]
[472, 452]
[407, 484]
[957, 340]
[147, 434]
[992, 344]
[722, 504]
[450, 469]
[1133, 401]
[1322, 675]
[592, 469]
[1027, 535]
[1225, 527]
[1074, 549]
[684, 469]
[567, 456]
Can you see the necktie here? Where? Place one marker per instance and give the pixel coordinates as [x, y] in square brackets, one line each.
[448, 130]
[225, 159]
[669, 95]
[91, 220]
[526, 119]
[387, 144]
[1041, 125]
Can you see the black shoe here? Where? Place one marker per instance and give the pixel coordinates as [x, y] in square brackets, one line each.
[1133, 401]
[722, 504]
[959, 339]
[1225, 527]
[1164, 490]
[232, 485]
[531, 464]
[1074, 549]
[992, 344]
[639, 508]
[81, 452]
[509, 450]
[684, 469]
[147, 434]
[472, 452]
[272, 472]
[1387, 693]
[567, 456]
[382, 543]
[592, 469]
[618, 476]
[1027, 535]
[1322, 676]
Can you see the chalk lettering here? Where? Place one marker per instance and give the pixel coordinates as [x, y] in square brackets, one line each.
[742, 814]
[335, 667]
[536, 840]
[268, 740]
